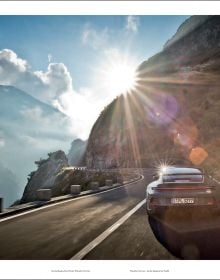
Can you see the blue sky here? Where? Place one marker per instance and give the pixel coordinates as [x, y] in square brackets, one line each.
[34, 37]
[77, 47]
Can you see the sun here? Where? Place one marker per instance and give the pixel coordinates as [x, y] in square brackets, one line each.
[118, 75]
[121, 77]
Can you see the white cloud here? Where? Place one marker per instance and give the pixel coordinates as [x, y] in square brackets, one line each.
[81, 110]
[132, 23]
[95, 38]
[54, 86]
[45, 86]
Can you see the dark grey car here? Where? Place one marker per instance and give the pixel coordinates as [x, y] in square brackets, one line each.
[178, 187]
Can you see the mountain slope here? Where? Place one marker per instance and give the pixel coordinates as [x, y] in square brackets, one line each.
[76, 152]
[8, 186]
[29, 129]
[173, 115]
[187, 49]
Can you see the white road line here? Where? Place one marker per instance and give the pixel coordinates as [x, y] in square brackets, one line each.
[65, 201]
[82, 253]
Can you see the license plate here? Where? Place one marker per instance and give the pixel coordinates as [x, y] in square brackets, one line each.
[182, 181]
[182, 200]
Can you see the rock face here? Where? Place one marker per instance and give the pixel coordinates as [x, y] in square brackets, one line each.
[55, 175]
[76, 152]
[196, 42]
[173, 114]
[187, 27]
[46, 174]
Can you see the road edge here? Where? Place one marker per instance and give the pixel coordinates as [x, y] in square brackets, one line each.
[48, 204]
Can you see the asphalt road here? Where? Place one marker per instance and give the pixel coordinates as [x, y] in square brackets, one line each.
[63, 230]
[59, 232]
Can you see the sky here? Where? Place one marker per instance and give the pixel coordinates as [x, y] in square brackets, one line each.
[75, 63]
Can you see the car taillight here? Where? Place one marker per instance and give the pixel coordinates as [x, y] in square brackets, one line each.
[164, 188]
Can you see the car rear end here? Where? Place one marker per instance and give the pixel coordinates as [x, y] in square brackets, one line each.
[183, 195]
[181, 190]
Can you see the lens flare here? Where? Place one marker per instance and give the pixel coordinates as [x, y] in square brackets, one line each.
[198, 155]
[163, 109]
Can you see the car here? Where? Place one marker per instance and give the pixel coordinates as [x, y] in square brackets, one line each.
[178, 187]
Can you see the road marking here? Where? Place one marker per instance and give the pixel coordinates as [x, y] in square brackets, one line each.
[82, 253]
[66, 201]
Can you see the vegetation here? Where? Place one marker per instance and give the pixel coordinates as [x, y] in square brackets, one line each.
[84, 178]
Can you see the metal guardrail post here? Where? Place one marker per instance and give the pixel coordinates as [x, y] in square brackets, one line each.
[44, 194]
[75, 189]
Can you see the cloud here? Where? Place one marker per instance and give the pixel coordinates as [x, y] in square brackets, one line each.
[45, 86]
[95, 38]
[53, 86]
[132, 23]
[81, 110]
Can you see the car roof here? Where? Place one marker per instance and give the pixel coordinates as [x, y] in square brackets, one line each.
[182, 170]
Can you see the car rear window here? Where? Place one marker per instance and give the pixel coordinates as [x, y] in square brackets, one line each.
[183, 178]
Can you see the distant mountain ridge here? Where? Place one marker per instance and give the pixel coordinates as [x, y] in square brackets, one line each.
[29, 129]
[76, 152]
[16, 95]
[8, 185]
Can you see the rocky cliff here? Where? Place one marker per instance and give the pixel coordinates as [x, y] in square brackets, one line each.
[55, 173]
[46, 174]
[195, 44]
[173, 114]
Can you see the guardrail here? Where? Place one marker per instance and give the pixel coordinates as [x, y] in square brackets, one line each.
[44, 196]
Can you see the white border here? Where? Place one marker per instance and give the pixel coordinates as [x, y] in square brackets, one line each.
[109, 7]
[109, 269]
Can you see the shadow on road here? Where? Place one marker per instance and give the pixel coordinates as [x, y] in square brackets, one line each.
[188, 234]
[133, 191]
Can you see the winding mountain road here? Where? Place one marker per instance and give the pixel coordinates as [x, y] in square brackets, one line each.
[108, 225]
[111, 225]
